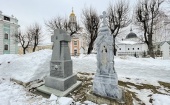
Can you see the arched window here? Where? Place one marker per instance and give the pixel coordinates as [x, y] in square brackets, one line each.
[6, 36]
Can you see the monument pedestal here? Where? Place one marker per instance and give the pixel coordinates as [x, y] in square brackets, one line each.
[126, 99]
[61, 84]
[107, 86]
[48, 90]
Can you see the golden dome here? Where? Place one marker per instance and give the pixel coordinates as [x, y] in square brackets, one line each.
[72, 14]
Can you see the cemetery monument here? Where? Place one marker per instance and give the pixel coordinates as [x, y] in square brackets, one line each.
[105, 81]
[61, 80]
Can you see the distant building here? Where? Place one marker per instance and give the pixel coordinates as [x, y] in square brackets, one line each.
[8, 26]
[77, 44]
[133, 46]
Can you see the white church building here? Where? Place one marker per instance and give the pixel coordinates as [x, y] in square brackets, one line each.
[133, 46]
[8, 26]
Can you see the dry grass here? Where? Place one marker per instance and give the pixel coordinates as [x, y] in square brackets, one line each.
[80, 93]
[167, 85]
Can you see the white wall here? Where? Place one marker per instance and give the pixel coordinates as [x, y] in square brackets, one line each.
[131, 49]
[12, 42]
[1, 39]
[165, 50]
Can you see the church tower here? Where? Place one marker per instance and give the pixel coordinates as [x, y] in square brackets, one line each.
[72, 18]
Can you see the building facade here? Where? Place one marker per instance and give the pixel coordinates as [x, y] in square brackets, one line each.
[8, 27]
[133, 46]
[77, 45]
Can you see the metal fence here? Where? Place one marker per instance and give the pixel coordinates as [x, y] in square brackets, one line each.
[140, 54]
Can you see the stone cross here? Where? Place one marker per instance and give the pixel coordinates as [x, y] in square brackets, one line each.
[61, 70]
[104, 16]
[57, 38]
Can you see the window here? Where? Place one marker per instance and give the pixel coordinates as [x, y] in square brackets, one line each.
[75, 52]
[133, 48]
[5, 47]
[6, 18]
[138, 48]
[75, 42]
[6, 36]
[119, 48]
[128, 48]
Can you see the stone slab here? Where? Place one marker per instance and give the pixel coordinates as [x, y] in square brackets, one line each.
[105, 100]
[61, 84]
[107, 86]
[59, 93]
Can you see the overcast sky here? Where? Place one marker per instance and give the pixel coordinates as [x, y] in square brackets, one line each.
[30, 11]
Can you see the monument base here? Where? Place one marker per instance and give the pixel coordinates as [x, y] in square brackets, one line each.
[61, 84]
[109, 101]
[56, 92]
[107, 86]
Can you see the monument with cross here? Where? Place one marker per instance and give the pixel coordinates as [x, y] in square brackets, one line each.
[105, 81]
[61, 80]
[103, 17]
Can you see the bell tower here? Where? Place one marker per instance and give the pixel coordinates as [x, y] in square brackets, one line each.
[72, 18]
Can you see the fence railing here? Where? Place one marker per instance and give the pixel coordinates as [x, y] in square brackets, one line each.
[139, 54]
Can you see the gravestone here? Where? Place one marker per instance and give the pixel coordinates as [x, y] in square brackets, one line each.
[61, 79]
[105, 81]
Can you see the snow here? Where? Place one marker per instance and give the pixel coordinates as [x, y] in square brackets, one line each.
[127, 42]
[36, 65]
[27, 67]
[60, 100]
[65, 101]
[159, 99]
[154, 69]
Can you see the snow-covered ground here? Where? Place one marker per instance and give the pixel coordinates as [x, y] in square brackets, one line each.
[35, 66]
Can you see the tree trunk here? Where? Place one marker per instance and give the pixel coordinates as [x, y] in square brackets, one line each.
[151, 52]
[114, 47]
[115, 50]
[24, 50]
[150, 46]
[34, 49]
[90, 48]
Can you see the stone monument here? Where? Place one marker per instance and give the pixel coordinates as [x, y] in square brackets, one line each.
[105, 81]
[61, 80]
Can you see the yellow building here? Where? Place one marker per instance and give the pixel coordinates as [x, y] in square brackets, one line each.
[77, 45]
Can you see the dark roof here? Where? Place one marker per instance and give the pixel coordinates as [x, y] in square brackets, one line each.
[131, 35]
[161, 43]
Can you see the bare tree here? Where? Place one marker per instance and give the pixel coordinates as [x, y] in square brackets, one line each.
[91, 22]
[36, 34]
[24, 39]
[118, 18]
[146, 13]
[161, 27]
[62, 23]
